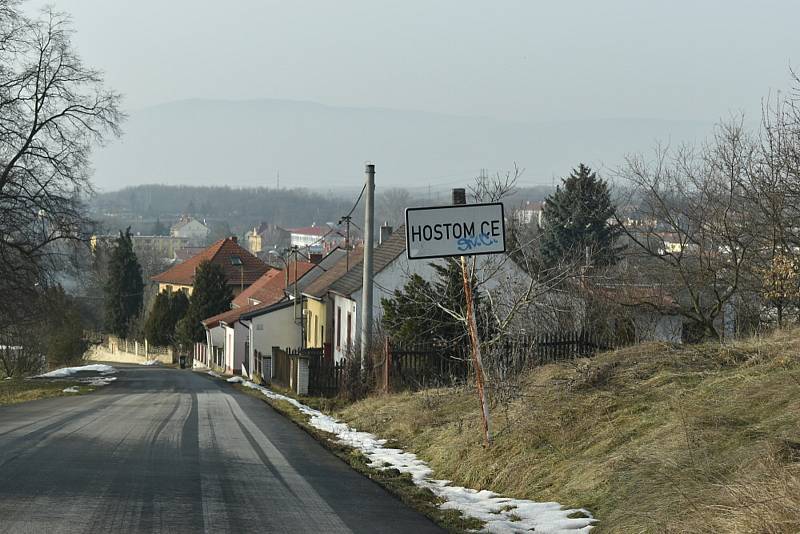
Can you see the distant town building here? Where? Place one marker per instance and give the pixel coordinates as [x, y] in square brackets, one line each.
[322, 238]
[266, 237]
[192, 229]
[161, 246]
[529, 212]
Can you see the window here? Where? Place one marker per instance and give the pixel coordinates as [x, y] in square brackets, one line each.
[349, 329]
[338, 326]
[236, 261]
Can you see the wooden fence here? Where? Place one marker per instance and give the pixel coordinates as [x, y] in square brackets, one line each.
[420, 365]
[434, 364]
[283, 366]
[325, 377]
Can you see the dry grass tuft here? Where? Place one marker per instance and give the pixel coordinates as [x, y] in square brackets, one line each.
[652, 438]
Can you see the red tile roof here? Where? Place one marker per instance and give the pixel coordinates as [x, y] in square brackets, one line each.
[230, 316]
[219, 253]
[269, 289]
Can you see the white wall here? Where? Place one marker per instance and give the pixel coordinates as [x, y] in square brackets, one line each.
[394, 276]
[346, 305]
[235, 338]
[274, 329]
[652, 326]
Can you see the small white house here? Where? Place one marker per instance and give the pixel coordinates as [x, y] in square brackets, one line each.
[271, 326]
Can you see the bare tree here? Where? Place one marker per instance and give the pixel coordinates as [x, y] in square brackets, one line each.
[695, 235]
[392, 204]
[53, 109]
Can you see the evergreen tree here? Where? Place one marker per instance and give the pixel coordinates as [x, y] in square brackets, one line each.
[124, 288]
[167, 310]
[211, 295]
[576, 220]
[416, 314]
[64, 340]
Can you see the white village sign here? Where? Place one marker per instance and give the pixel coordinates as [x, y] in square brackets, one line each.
[462, 230]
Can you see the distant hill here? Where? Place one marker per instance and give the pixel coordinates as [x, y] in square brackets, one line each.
[245, 143]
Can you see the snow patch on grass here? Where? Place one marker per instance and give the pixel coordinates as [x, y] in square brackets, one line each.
[71, 389]
[150, 362]
[501, 514]
[70, 371]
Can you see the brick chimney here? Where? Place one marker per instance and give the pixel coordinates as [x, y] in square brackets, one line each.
[385, 233]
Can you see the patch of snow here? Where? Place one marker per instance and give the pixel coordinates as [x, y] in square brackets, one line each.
[501, 514]
[72, 389]
[150, 362]
[69, 371]
[99, 381]
[7, 378]
[215, 375]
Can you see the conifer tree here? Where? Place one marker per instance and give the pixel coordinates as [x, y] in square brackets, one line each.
[124, 288]
[211, 295]
[428, 311]
[575, 221]
[168, 309]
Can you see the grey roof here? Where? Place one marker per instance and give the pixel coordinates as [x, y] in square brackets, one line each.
[384, 254]
[325, 264]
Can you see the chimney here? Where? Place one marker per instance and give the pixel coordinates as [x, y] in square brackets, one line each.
[315, 258]
[385, 233]
[234, 239]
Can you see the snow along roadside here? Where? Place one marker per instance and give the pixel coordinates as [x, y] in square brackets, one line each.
[69, 371]
[501, 514]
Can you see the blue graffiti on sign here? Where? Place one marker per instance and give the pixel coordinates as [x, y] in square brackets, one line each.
[470, 243]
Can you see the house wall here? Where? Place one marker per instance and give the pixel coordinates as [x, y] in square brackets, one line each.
[274, 329]
[194, 230]
[236, 336]
[341, 306]
[314, 317]
[393, 277]
[174, 287]
[652, 326]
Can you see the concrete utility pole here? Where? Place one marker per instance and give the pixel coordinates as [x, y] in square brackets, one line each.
[366, 286]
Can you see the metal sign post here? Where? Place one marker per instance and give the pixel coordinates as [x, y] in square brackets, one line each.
[460, 230]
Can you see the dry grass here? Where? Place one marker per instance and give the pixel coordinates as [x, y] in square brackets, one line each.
[18, 390]
[653, 438]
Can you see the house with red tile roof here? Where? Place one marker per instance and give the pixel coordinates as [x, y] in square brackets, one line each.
[228, 338]
[271, 287]
[240, 266]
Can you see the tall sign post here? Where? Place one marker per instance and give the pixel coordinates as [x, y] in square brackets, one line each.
[460, 230]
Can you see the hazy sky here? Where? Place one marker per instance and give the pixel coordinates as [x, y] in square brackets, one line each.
[512, 59]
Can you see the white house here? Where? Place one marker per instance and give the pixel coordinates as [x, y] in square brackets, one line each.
[277, 325]
[192, 229]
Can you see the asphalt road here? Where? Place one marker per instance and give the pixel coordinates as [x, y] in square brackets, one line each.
[167, 450]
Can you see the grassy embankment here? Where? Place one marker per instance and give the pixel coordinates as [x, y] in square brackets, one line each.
[16, 390]
[652, 438]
